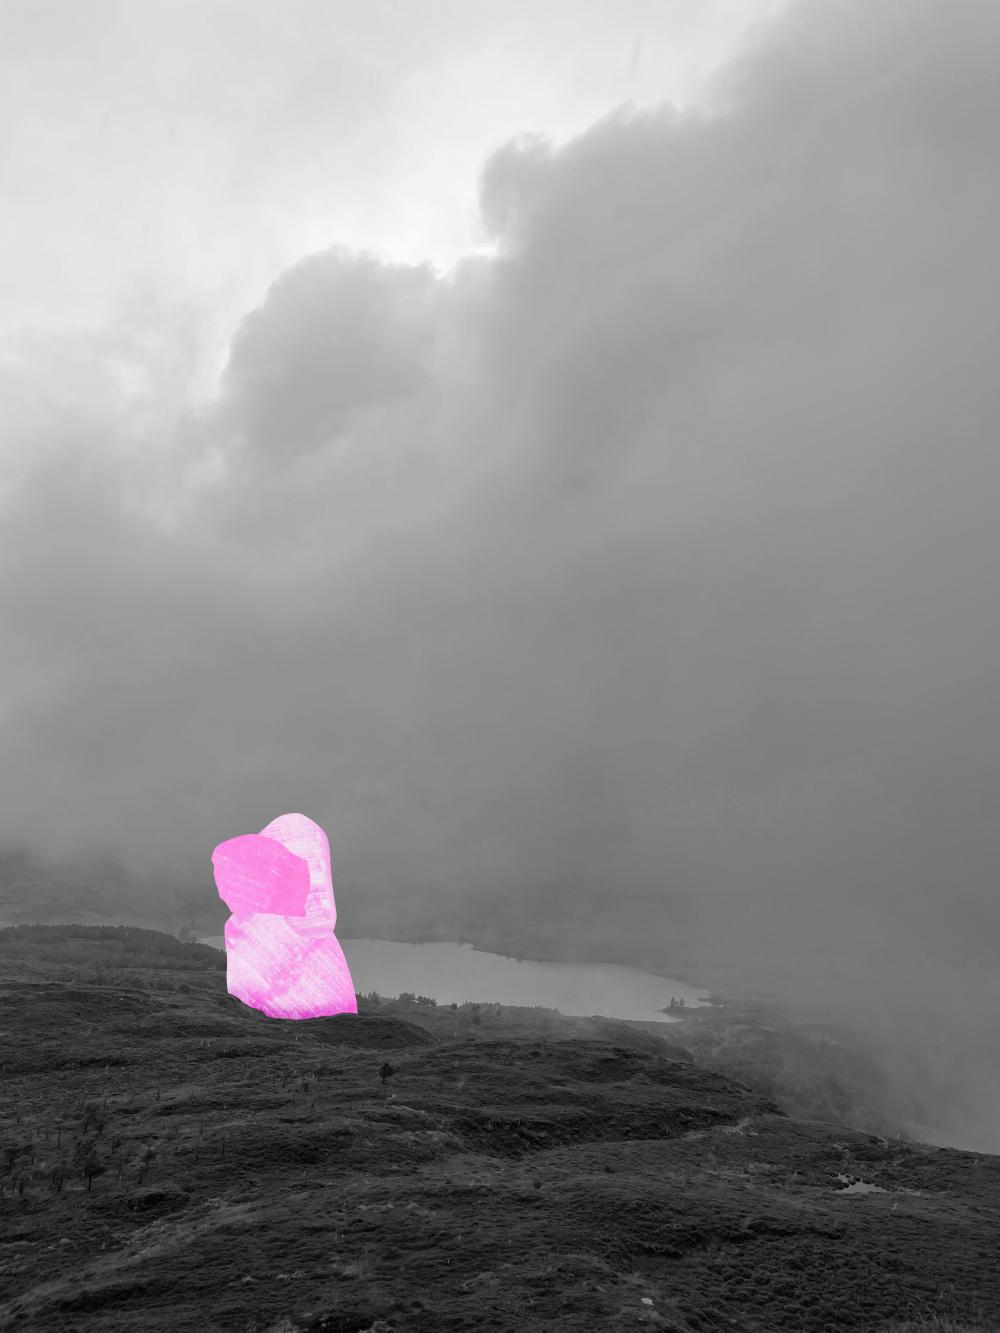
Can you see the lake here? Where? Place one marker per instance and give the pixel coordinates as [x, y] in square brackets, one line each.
[453, 973]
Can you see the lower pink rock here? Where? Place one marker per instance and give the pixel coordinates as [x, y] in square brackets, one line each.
[282, 955]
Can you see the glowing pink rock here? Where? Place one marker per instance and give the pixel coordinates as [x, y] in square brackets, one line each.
[282, 955]
[307, 840]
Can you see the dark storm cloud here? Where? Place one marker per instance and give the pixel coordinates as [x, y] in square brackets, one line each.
[640, 578]
[338, 336]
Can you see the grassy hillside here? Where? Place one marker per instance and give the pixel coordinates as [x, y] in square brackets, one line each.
[173, 1160]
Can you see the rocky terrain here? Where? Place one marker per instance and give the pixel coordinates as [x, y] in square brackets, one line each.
[173, 1160]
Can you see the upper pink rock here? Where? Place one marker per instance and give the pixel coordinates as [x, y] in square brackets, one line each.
[257, 874]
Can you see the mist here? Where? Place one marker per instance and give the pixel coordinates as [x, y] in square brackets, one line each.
[632, 584]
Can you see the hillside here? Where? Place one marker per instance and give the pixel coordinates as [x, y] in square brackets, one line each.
[176, 1161]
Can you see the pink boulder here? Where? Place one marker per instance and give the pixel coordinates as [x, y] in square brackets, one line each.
[282, 955]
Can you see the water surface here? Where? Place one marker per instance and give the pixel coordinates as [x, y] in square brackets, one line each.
[453, 973]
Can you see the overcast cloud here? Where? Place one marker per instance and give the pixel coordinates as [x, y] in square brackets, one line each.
[641, 574]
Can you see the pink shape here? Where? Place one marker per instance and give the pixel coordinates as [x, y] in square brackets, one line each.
[257, 874]
[282, 955]
[300, 835]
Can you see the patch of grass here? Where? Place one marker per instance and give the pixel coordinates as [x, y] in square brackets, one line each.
[935, 1324]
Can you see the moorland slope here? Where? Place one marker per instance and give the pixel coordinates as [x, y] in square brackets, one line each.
[173, 1160]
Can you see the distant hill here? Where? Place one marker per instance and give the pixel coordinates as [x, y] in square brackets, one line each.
[48, 899]
[174, 1160]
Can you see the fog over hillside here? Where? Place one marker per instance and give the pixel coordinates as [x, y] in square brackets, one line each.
[636, 572]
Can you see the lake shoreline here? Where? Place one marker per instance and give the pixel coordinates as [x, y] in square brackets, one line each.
[458, 973]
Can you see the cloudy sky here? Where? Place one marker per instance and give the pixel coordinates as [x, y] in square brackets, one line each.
[554, 445]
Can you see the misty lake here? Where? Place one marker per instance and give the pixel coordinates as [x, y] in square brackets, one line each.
[454, 973]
